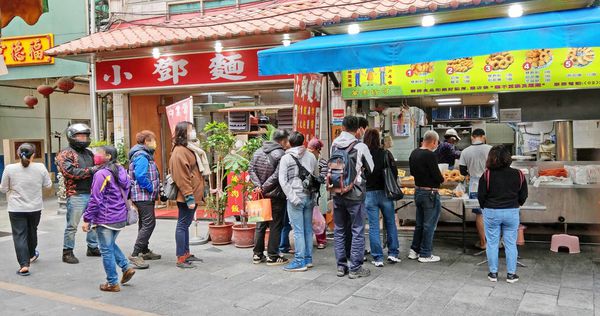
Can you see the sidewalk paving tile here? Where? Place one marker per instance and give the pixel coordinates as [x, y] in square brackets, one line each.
[577, 298]
[538, 304]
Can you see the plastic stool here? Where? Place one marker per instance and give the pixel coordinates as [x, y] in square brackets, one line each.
[564, 240]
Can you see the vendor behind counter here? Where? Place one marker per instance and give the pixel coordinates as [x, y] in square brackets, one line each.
[446, 151]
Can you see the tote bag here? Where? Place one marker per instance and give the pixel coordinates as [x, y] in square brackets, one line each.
[259, 210]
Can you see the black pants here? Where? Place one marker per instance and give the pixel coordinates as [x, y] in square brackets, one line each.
[278, 208]
[146, 225]
[24, 230]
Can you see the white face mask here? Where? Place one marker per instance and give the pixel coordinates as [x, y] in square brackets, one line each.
[192, 135]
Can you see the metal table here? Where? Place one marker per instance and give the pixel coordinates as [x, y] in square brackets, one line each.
[408, 200]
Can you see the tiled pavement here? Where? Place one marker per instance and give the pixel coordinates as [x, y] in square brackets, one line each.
[227, 283]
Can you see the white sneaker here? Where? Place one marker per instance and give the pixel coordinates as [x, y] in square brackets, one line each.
[413, 255]
[378, 264]
[432, 258]
[392, 259]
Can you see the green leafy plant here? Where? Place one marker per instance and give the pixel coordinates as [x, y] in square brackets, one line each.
[122, 154]
[99, 143]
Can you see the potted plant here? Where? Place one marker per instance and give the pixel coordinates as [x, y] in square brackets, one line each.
[221, 142]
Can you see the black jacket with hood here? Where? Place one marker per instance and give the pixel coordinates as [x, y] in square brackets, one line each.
[264, 169]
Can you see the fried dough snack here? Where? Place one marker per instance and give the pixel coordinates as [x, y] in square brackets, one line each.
[581, 56]
[538, 57]
[461, 64]
[500, 61]
[422, 68]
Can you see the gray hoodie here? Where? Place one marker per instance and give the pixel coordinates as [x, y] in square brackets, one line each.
[288, 173]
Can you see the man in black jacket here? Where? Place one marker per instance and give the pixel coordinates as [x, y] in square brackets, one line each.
[76, 163]
[263, 172]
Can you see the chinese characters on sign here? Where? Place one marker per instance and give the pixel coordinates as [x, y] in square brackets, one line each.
[235, 198]
[180, 111]
[307, 103]
[180, 70]
[26, 50]
[522, 70]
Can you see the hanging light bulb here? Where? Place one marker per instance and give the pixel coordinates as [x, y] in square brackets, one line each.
[156, 53]
[353, 29]
[218, 47]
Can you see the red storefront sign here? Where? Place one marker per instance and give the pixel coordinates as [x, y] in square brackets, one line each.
[180, 70]
[307, 102]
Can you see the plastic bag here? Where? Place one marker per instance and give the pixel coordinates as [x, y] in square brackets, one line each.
[318, 221]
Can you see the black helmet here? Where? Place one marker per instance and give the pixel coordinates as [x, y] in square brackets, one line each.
[76, 129]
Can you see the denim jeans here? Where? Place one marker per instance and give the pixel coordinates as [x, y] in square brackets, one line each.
[76, 205]
[112, 256]
[349, 232]
[376, 200]
[505, 221]
[284, 242]
[182, 230]
[427, 216]
[301, 221]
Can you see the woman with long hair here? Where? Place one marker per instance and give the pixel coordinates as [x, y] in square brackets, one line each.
[23, 183]
[377, 200]
[106, 213]
[502, 191]
[183, 166]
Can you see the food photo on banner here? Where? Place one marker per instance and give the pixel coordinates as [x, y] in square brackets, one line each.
[307, 103]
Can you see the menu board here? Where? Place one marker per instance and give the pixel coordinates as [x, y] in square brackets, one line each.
[523, 70]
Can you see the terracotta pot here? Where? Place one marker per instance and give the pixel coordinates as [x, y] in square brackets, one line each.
[243, 237]
[220, 234]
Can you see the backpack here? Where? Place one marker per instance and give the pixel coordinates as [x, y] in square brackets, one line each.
[310, 182]
[341, 169]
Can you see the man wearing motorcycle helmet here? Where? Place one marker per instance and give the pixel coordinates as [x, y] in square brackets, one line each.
[76, 163]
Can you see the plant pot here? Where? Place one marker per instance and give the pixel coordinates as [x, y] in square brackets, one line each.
[243, 237]
[220, 234]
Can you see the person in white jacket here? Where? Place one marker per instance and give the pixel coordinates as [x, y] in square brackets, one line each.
[23, 183]
[300, 200]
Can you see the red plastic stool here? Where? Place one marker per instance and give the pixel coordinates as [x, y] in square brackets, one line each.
[564, 240]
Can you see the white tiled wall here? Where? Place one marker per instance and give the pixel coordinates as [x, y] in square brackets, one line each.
[586, 134]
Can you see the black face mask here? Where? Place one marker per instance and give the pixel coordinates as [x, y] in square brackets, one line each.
[80, 145]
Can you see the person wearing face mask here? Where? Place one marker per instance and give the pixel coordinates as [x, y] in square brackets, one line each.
[23, 183]
[428, 178]
[76, 163]
[186, 173]
[106, 213]
[144, 191]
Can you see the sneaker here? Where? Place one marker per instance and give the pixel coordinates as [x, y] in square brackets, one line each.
[429, 259]
[360, 273]
[138, 262]
[342, 271]
[256, 259]
[392, 259]
[93, 252]
[192, 258]
[296, 266]
[493, 277]
[127, 275]
[110, 287]
[149, 255]
[275, 261]
[69, 257]
[413, 255]
[512, 278]
[185, 265]
[308, 264]
[378, 264]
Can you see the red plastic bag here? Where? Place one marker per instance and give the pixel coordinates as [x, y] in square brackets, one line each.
[318, 221]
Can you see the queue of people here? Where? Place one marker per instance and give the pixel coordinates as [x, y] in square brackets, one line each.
[293, 176]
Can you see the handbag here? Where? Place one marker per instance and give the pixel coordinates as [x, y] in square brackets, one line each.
[132, 212]
[392, 189]
[259, 210]
[169, 188]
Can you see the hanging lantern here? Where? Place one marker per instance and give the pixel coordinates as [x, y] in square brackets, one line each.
[65, 84]
[31, 101]
[45, 90]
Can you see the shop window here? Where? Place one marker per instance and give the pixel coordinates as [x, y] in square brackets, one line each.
[185, 7]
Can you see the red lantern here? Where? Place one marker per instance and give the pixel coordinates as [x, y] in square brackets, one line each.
[45, 90]
[31, 101]
[65, 84]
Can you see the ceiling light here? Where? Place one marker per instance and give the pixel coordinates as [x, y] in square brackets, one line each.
[286, 42]
[213, 93]
[233, 97]
[492, 101]
[156, 53]
[515, 10]
[285, 90]
[218, 47]
[447, 100]
[353, 29]
[286, 36]
[449, 103]
[428, 20]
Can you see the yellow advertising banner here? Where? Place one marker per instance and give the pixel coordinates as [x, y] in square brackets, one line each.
[523, 70]
[26, 50]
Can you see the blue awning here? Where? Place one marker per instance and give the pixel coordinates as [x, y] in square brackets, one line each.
[574, 28]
